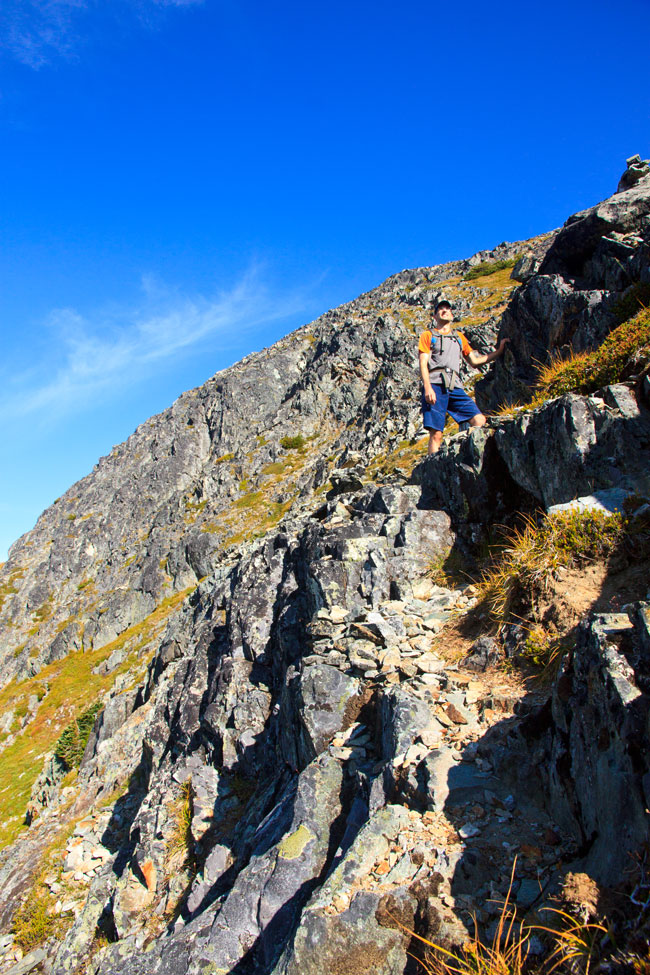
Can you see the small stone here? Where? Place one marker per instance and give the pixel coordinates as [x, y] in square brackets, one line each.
[443, 719]
[341, 902]
[343, 754]
[149, 874]
[432, 680]
[414, 754]
[382, 868]
[456, 716]
[407, 668]
[423, 589]
[468, 831]
[433, 623]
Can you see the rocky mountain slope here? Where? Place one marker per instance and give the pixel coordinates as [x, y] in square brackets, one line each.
[250, 722]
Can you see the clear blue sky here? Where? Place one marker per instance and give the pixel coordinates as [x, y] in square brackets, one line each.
[185, 181]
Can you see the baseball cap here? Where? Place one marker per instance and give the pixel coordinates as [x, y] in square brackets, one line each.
[441, 303]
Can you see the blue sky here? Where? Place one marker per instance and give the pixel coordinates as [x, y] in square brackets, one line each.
[184, 181]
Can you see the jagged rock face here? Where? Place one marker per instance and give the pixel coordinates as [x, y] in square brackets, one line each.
[156, 514]
[586, 751]
[286, 776]
[572, 301]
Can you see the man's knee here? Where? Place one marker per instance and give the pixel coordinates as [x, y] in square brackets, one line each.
[478, 421]
[435, 439]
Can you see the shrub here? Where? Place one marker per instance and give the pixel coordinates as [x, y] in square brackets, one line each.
[489, 267]
[293, 443]
[70, 747]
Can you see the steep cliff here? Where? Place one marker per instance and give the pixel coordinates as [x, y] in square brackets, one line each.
[290, 766]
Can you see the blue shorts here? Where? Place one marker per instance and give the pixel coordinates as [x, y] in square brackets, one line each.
[457, 403]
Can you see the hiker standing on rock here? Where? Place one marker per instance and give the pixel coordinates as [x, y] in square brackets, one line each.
[440, 351]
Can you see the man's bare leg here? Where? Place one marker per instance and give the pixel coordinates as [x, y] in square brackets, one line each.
[435, 439]
[478, 421]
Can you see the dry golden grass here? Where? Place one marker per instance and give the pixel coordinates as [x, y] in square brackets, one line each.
[505, 955]
[573, 946]
[624, 352]
[575, 943]
[533, 553]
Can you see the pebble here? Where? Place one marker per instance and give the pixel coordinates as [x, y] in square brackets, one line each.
[468, 831]
[441, 716]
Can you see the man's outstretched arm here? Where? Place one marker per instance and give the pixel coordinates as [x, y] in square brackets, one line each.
[479, 359]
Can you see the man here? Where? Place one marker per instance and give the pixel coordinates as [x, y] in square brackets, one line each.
[440, 353]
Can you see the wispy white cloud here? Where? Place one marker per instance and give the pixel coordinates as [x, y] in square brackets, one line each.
[36, 32]
[94, 356]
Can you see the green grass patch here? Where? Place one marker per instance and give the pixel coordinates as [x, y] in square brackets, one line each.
[404, 457]
[250, 500]
[224, 458]
[449, 570]
[35, 920]
[293, 443]
[5, 591]
[71, 685]
[278, 467]
[44, 612]
[180, 846]
[486, 268]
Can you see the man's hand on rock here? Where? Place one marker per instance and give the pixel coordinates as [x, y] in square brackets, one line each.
[502, 346]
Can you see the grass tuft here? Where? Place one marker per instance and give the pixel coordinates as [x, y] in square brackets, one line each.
[180, 846]
[576, 943]
[534, 553]
[505, 955]
[626, 349]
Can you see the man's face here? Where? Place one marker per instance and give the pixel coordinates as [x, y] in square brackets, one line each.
[444, 318]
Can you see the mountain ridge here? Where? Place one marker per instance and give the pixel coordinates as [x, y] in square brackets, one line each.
[289, 769]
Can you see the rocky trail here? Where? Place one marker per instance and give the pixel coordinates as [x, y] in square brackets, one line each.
[256, 717]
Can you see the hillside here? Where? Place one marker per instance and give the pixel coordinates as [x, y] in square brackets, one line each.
[258, 715]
